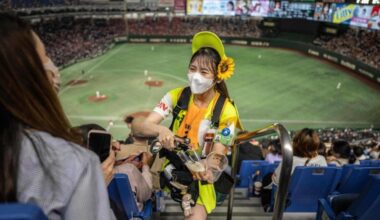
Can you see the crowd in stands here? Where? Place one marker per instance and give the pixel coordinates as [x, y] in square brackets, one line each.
[361, 45]
[69, 39]
[15, 4]
[188, 26]
[348, 143]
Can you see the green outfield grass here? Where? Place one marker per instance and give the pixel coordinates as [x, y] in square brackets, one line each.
[281, 86]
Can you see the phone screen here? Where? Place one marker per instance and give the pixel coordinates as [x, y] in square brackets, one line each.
[100, 143]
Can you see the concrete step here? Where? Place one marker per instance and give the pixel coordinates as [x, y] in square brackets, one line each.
[237, 216]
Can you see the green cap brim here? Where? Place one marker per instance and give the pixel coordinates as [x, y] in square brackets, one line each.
[208, 39]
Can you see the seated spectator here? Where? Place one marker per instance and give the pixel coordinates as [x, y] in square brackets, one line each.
[322, 149]
[128, 120]
[40, 159]
[341, 154]
[248, 151]
[359, 153]
[305, 152]
[135, 160]
[274, 151]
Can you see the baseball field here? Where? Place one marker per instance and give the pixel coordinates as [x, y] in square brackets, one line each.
[269, 85]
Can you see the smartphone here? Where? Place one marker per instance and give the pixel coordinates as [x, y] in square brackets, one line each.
[100, 142]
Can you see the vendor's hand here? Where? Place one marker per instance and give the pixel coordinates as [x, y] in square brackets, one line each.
[107, 167]
[166, 138]
[204, 176]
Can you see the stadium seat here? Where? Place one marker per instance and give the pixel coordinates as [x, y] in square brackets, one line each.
[370, 163]
[365, 207]
[246, 171]
[21, 211]
[308, 184]
[121, 193]
[354, 178]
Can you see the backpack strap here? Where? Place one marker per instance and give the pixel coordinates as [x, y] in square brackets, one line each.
[217, 111]
[182, 104]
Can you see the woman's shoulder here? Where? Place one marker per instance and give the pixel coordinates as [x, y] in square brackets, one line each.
[304, 161]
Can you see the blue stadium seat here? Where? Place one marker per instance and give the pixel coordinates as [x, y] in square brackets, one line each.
[260, 171]
[121, 193]
[246, 171]
[21, 211]
[354, 178]
[308, 184]
[370, 163]
[365, 207]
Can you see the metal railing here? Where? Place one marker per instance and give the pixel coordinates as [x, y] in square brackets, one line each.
[286, 168]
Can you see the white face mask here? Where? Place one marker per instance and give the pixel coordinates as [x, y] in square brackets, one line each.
[198, 83]
[49, 66]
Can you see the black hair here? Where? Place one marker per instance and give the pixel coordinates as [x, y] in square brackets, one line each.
[344, 150]
[211, 56]
[358, 151]
[322, 149]
[84, 129]
[276, 146]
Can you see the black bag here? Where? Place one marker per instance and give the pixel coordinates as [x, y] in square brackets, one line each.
[224, 184]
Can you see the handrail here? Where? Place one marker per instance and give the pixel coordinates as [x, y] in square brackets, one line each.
[286, 168]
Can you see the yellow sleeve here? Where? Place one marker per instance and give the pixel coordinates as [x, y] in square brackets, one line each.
[230, 116]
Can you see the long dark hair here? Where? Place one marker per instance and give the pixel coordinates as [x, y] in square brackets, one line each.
[27, 100]
[209, 56]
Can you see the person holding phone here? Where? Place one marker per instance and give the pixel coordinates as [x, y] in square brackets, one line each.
[135, 160]
[208, 69]
[40, 158]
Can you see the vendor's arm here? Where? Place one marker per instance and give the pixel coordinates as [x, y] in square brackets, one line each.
[151, 125]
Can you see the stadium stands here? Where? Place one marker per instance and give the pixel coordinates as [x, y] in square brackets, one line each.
[354, 178]
[38, 3]
[365, 207]
[352, 44]
[308, 184]
[188, 26]
[68, 39]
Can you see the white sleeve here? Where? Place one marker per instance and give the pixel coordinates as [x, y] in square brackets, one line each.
[165, 107]
[276, 174]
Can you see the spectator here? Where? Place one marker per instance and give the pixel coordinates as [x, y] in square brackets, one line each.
[248, 151]
[305, 152]
[128, 120]
[130, 160]
[359, 153]
[40, 162]
[342, 154]
[274, 150]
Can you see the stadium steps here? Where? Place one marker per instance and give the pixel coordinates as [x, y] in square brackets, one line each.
[244, 209]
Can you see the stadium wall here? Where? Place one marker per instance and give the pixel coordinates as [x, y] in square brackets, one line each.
[346, 62]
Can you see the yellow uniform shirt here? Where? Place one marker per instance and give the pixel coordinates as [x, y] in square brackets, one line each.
[199, 121]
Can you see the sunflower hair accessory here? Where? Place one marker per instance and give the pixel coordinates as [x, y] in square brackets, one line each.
[226, 68]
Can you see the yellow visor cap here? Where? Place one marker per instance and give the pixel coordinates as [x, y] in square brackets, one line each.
[208, 39]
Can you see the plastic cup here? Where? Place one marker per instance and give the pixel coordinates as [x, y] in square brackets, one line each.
[216, 164]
